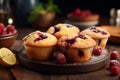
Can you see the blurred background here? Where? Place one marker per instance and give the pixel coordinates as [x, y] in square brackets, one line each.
[21, 9]
[99, 6]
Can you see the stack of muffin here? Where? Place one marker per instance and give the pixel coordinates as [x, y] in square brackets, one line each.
[76, 45]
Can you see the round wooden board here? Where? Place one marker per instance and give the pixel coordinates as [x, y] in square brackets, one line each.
[49, 66]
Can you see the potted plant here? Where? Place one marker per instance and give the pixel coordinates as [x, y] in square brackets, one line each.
[43, 14]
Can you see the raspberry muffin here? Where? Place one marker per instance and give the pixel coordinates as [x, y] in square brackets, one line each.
[62, 29]
[77, 47]
[39, 45]
[98, 34]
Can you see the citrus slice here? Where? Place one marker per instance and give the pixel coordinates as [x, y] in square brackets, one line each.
[7, 58]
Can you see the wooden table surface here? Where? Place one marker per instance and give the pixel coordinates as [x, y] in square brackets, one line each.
[18, 72]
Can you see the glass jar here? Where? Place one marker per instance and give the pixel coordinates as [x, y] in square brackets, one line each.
[115, 17]
[5, 12]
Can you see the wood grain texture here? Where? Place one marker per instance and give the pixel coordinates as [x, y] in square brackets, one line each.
[18, 72]
[23, 74]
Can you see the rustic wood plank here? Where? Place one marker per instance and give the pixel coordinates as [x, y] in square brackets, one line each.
[21, 73]
[58, 77]
[77, 77]
[5, 73]
[17, 46]
[24, 31]
[95, 75]
[113, 47]
[111, 76]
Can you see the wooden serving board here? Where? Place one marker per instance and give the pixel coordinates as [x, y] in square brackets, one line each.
[49, 66]
[114, 33]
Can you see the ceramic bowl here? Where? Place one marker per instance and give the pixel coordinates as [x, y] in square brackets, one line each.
[83, 22]
[8, 40]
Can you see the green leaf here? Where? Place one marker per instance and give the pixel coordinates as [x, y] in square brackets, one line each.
[39, 7]
[43, 8]
[33, 17]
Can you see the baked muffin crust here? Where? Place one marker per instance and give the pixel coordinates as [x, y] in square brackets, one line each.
[96, 32]
[39, 39]
[63, 29]
[76, 41]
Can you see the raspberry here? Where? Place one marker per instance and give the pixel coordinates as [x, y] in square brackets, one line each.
[114, 63]
[10, 29]
[77, 11]
[97, 50]
[4, 32]
[115, 70]
[60, 59]
[2, 26]
[83, 14]
[114, 55]
[88, 12]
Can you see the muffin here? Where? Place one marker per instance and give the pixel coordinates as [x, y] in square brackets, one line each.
[39, 45]
[98, 34]
[61, 29]
[77, 47]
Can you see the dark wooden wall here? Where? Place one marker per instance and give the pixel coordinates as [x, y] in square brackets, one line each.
[100, 6]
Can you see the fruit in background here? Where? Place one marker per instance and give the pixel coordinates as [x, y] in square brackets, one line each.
[61, 59]
[97, 50]
[10, 29]
[114, 55]
[114, 63]
[6, 30]
[2, 26]
[77, 12]
[80, 13]
[8, 35]
[115, 70]
[7, 58]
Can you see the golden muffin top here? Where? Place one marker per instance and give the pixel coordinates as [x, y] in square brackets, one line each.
[63, 29]
[39, 39]
[96, 32]
[76, 41]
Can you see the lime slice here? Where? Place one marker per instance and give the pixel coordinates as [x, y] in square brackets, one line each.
[7, 58]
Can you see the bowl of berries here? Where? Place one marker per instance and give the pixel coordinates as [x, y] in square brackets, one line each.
[83, 18]
[8, 35]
